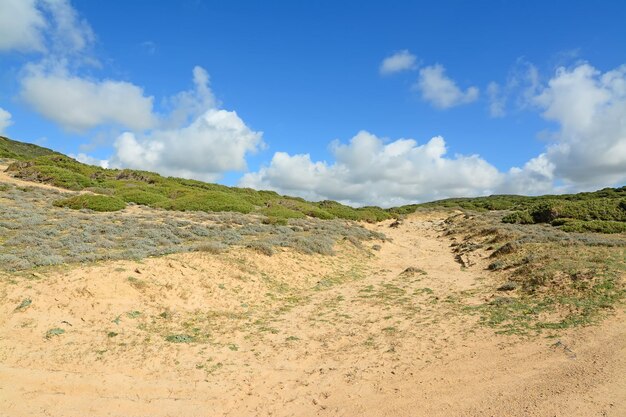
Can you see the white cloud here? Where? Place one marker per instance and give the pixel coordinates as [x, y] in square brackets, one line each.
[589, 149]
[5, 120]
[50, 26]
[522, 83]
[370, 171]
[21, 24]
[441, 91]
[188, 105]
[54, 28]
[68, 33]
[400, 61]
[497, 101]
[79, 104]
[215, 142]
[197, 140]
[89, 160]
[534, 178]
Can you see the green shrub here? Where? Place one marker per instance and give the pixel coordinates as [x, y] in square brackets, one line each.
[208, 201]
[597, 226]
[518, 217]
[369, 214]
[92, 202]
[373, 214]
[304, 207]
[59, 177]
[595, 209]
[281, 212]
[139, 196]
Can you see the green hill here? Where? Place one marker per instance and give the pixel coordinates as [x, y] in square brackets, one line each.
[116, 187]
[602, 211]
[599, 211]
[12, 149]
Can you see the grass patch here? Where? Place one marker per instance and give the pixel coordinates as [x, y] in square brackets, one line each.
[26, 302]
[179, 338]
[54, 332]
[133, 314]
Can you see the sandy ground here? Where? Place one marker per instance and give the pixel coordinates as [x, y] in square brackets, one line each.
[292, 335]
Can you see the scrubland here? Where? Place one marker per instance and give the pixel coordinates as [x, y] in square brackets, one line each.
[127, 294]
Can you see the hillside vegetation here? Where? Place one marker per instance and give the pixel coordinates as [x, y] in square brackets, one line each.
[113, 188]
[13, 149]
[602, 211]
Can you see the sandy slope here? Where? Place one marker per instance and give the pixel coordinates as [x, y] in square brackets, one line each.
[292, 335]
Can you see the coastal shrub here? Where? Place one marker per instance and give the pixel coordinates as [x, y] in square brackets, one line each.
[91, 202]
[139, 196]
[57, 176]
[280, 212]
[208, 201]
[597, 226]
[518, 217]
[596, 209]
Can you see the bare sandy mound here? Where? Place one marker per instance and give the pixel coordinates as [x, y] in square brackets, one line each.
[368, 333]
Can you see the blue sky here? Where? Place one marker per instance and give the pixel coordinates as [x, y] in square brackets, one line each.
[475, 98]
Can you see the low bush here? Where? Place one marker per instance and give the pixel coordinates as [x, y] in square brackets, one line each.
[597, 226]
[518, 217]
[138, 196]
[596, 209]
[91, 202]
[207, 201]
[57, 176]
[281, 212]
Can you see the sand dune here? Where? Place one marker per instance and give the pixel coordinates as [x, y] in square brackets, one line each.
[363, 333]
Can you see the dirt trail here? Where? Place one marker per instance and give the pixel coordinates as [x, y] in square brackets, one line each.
[292, 335]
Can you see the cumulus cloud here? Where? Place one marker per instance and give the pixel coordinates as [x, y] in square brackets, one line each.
[441, 91]
[21, 24]
[197, 140]
[534, 178]
[589, 149]
[5, 120]
[188, 105]
[79, 104]
[215, 142]
[55, 30]
[42, 26]
[400, 61]
[90, 160]
[368, 170]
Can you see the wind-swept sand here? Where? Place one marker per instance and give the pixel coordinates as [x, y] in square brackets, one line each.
[292, 335]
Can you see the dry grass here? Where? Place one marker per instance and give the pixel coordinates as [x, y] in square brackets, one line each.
[35, 233]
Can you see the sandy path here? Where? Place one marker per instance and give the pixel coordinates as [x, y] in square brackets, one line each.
[379, 341]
